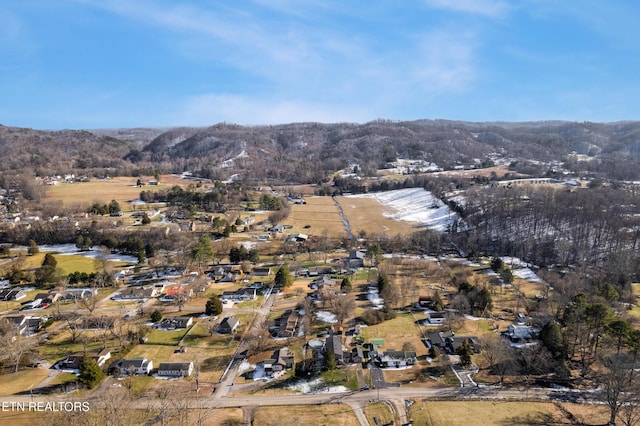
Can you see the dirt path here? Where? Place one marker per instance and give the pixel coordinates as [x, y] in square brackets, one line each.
[345, 222]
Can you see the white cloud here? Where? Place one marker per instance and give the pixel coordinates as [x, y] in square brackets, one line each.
[493, 8]
[207, 109]
[445, 61]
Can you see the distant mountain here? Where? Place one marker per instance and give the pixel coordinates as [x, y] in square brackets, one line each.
[307, 152]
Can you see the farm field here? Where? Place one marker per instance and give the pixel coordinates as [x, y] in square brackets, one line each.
[318, 215]
[493, 413]
[337, 414]
[367, 215]
[121, 189]
[25, 379]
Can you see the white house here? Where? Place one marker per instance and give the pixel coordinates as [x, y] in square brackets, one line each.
[175, 369]
[130, 367]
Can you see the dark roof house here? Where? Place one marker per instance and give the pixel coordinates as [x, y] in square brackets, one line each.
[228, 325]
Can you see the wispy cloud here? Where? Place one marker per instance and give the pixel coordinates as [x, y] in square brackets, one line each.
[445, 61]
[211, 108]
[300, 69]
[492, 8]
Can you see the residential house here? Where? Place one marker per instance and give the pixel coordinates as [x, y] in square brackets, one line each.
[131, 367]
[435, 318]
[139, 293]
[455, 343]
[228, 325]
[277, 228]
[288, 323]
[334, 344]
[397, 359]
[12, 294]
[227, 273]
[297, 238]
[281, 360]
[439, 340]
[24, 324]
[175, 369]
[263, 271]
[424, 303]
[520, 335]
[358, 355]
[355, 259]
[173, 293]
[316, 271]
[73, 293]
[324, 280]
[48, 298]
[175, 323]
[73, 362]
[240, 295]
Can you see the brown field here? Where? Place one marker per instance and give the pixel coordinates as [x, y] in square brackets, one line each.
[307, 415]
[379, 411]
[121, 189]
[320, 214]
[504, 413]
[366, 214]
[22, 380]
[395, 333]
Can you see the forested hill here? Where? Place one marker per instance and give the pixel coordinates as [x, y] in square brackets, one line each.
[307, 152]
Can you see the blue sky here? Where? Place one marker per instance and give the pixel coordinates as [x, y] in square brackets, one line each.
[130, 63]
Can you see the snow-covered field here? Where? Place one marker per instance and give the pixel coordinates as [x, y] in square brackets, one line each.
[71, 249]
[326, 317]
[316, 386]
[414, 205]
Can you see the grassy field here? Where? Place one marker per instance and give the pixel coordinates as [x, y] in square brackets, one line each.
[121, 189]
[395, 333]
[323, 415]
[314, 218]
[379, 411]
[438, 413]
[22, 380]
[67, 263]
[165, 337]
[366, 214]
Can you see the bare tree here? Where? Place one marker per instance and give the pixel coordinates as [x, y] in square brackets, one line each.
[344, 307]
[75, 328]
[90, 301]
[620, 385]
[499, 355]
[14, 348]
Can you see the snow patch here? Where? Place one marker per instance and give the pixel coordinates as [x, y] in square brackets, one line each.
[316, 386]
[326, 317]
[415, 205]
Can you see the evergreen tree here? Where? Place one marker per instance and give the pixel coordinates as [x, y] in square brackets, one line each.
[331, 359]
[283, 277]
[114, 207]
[465, 352]
[438, 304]
[383, 282]
[46, 274]
[156, 316]
[213, 306]
[345, 285]
[496, 264]
[90, 372]
[551, 338]
[33, 248]
[203, 251]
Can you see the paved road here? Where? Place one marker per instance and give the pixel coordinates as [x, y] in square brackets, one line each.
[229, 376]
